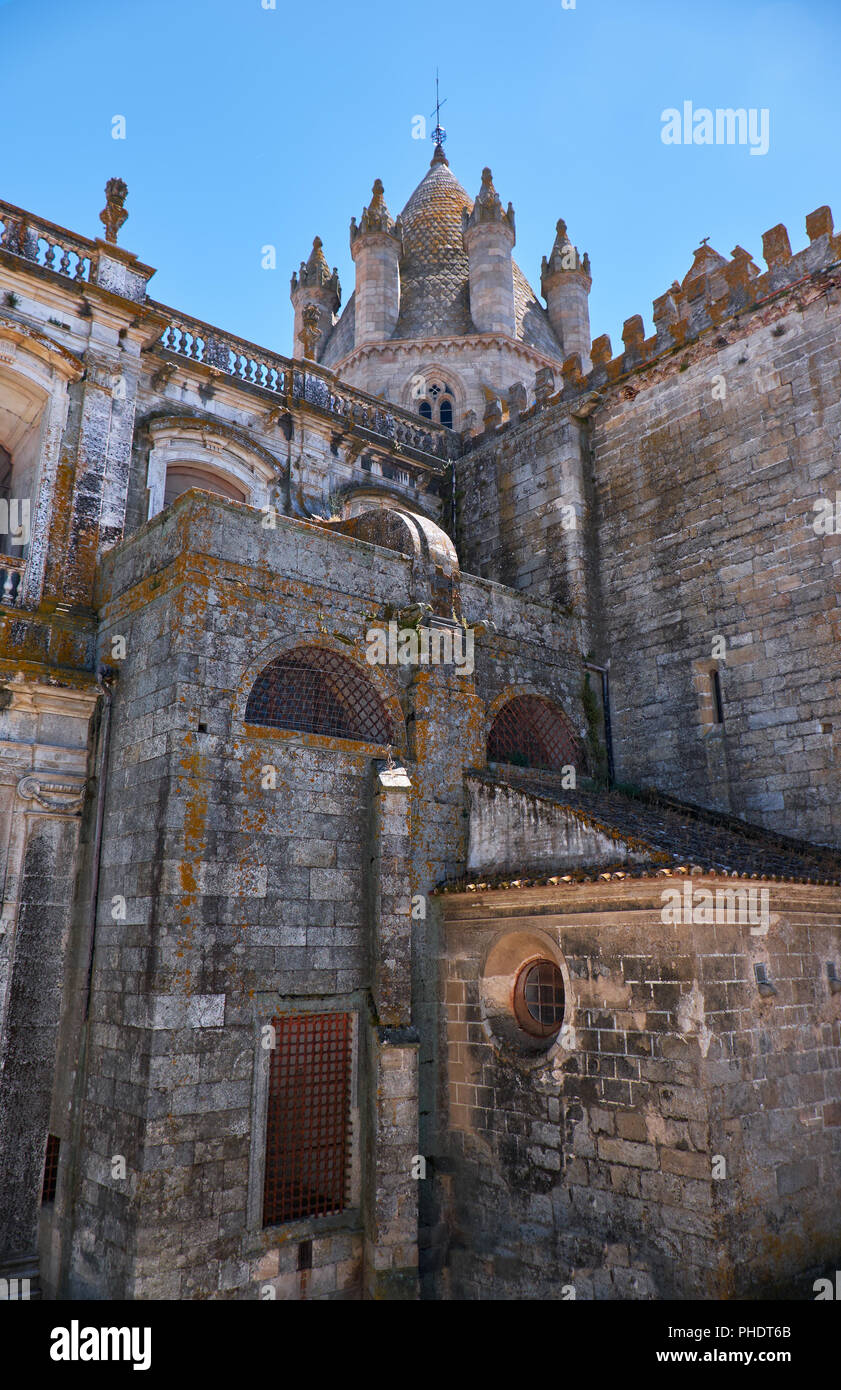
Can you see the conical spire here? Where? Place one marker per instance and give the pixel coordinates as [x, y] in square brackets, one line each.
[315, 274]
[376, 217]
[487, 207]
[563, 256]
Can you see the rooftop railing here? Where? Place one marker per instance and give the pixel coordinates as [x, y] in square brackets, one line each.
[56, 249]
[45, 243]
[298, 380]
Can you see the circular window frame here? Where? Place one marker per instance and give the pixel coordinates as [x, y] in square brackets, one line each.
[507, 957]
[522, 1013]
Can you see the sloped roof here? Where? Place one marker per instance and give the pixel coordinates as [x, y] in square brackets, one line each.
[434, 275]
[658, 834]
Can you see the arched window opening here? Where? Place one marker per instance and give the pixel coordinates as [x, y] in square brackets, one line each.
[530, 731]
[436, 401]
[23, 412]
[181, 477]
[315, 691]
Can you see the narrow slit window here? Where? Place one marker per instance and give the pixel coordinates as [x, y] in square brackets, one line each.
[50, 1170]
[718, 704]
[308, 1124]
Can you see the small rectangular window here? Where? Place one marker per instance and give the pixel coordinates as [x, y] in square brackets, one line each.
[309, 1117]
[50, 1170]
[718, 705]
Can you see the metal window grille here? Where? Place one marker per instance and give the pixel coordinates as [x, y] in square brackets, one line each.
[50, 1169]
[543, 994]
[539, 999]
[529, 731]
[308, 1120]
[317, 692]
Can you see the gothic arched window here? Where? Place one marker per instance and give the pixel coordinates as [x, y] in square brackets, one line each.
[531, 731]
[318, 692]
[436, 400]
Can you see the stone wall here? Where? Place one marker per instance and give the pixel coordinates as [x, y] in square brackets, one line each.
[243, 900]
[681, 1139]
[522, 509]
[674, 512]
[705, 509]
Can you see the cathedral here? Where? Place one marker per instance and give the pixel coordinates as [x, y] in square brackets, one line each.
[419, 762]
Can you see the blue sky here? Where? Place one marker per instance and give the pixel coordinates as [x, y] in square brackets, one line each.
[248, 126]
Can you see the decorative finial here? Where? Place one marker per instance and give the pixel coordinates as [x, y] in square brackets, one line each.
[113, 215]
[376, 217]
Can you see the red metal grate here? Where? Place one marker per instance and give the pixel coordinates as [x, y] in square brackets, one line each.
[532, 732]
[308, 1123]
[318, 692]
[50, 1169]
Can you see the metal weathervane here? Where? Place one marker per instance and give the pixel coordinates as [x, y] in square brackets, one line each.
[439, 134]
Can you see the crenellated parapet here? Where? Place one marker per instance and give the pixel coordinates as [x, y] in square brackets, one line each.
[716, 293]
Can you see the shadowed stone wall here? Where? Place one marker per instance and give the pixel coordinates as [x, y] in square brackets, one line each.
[682, 1138]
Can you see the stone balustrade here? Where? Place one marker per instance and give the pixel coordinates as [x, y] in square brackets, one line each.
[295, 381]
[11, 580]
[78, 259]
[45, 243]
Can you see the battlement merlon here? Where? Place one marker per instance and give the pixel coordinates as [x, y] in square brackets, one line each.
[717, 291]
[714, 294]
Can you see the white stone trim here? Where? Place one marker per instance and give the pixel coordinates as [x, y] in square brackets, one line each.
[212, 451]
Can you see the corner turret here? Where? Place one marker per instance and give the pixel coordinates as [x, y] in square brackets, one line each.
[565, 283]
[489, 237]
[316, 295]
[375, 246]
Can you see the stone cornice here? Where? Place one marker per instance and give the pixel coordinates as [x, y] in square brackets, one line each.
[60, 358]
[412, 346]
[183, 423]
[34, 697]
